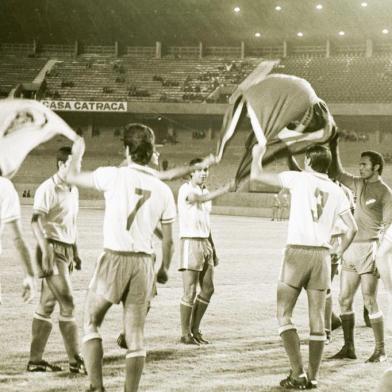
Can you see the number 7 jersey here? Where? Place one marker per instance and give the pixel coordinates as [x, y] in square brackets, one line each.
[316, 203]
[135, 202]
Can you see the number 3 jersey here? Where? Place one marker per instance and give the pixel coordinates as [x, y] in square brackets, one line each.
[316, 203]
[135, 202]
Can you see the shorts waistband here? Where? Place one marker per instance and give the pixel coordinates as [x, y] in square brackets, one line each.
[124, 253]
[306, 247]
[56, 242]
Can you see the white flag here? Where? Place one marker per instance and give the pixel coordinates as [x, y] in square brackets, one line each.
[25, 124]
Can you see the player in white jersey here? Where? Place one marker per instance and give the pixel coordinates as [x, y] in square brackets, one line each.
[135, 202]
[316, 203]
[198, 256]
[55, 210]
[10, 219]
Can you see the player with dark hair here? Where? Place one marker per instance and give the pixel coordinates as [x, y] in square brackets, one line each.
[55, 210]
[135, 202]
[175, 172]
[373, 209]
[316, 204]
[198, 256]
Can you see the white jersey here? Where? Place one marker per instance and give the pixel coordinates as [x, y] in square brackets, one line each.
[388, 233]
[194, 218]
[340, 228]
[316, 203]
[135, 202]
[59, 204]
[9, 203]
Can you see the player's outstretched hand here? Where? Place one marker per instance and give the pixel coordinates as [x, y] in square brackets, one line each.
[162, 276]
[28, 292]
[78, 147]
[77, 263]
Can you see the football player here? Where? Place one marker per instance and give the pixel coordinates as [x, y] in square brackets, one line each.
[316, 203]
[198, 257]
[373, 208]
[135, 202]
[55, 211]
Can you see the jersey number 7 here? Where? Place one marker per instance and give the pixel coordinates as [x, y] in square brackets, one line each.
[145, 195]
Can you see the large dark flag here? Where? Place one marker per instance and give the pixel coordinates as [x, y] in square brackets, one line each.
[285, 115]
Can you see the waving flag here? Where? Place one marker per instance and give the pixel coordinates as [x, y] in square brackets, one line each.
[24, 124]
[285, 114]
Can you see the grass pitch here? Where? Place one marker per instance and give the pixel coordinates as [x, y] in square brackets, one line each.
[246, 353]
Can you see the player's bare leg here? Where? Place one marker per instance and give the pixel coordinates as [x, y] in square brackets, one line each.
[349, 283]
[189, 279]
[40, 331]
[134, 319]
[202, 301]
[316, 303]
[369, 283]
[331, 320]
[60, 285]
[286, 299]
[94, 312]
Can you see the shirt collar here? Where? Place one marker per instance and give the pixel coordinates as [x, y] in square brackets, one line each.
[58, 181]
[144, 169]
[323, 176]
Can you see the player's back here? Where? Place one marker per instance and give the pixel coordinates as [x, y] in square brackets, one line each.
[316, 203]
[135, 202]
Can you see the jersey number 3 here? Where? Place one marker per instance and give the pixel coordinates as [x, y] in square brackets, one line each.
[321, 199]
[145, 195]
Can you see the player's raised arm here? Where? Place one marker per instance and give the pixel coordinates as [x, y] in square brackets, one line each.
[293, 164]
[197, 198]
[75, 176]
[256, 171]
[182, 171]
[336, 170]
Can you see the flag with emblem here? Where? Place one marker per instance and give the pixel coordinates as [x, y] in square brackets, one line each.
[24, 124]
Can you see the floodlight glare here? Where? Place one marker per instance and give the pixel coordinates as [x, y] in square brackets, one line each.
[341, 33]
[278, 8]
[364, 4]
[300, 34]
[385, 31]
[237, 9]
[319, 6]
[257, 35]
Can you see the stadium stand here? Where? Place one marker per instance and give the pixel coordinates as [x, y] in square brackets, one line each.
[15, 70]
[349, 79]
[145, 79]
